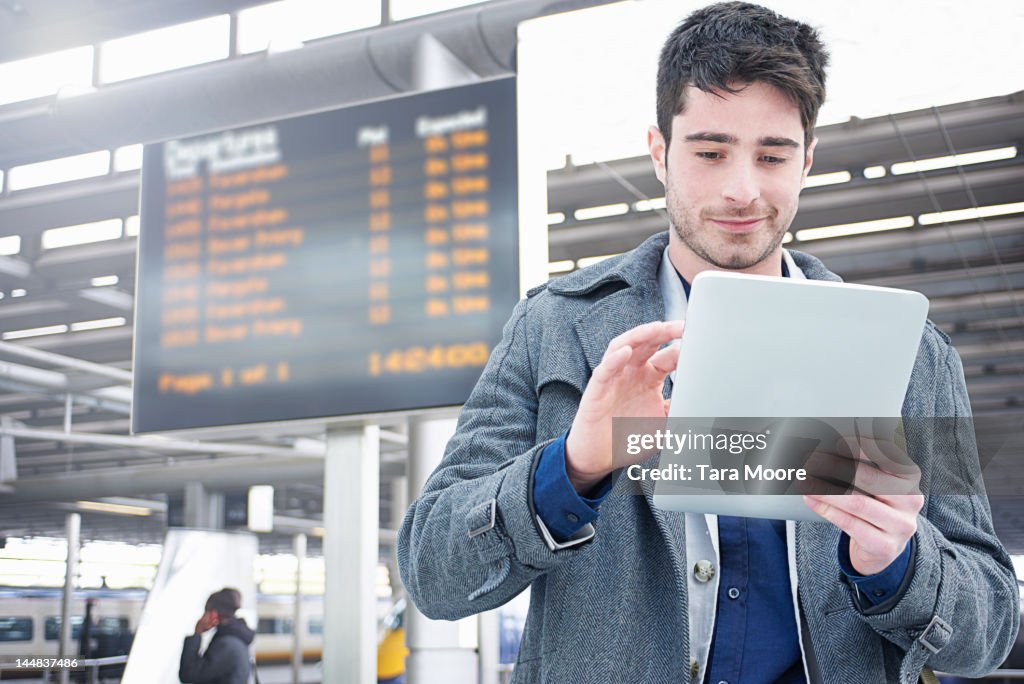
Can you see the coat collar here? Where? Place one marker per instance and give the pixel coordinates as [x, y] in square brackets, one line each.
[633, 268]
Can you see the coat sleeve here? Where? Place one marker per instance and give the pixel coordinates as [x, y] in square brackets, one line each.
[221, 658]
[959, 612]
[470, 542]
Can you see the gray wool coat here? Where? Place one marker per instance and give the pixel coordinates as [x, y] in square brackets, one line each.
[614, 609]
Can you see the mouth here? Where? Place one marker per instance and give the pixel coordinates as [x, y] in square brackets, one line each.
[738, 225]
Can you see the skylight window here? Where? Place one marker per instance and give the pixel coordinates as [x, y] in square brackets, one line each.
[173, 47]
[291, 22]
[10, 245]
[35, 332]
[81, 234]
[131, 226]
[60, 170]
[603, 211]
[406, 9]
[128, 158]
[952, 160]
[98, 324]
[26, 79]
[563, 266]
[104, 281]
[971, 214]
[833, 178]
[859, 228]
[649, 204]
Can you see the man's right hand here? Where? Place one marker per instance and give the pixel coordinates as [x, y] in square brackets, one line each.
[208, 621]
[626, 384]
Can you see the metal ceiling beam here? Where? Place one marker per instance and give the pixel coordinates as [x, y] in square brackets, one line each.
[65, 362]
[307, 448]
[214, 474]
[333, 72]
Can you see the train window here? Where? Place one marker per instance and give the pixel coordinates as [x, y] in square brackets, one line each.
[16, 629]
[112, 625]
[51, 628]
[275, 626]
[316, 625]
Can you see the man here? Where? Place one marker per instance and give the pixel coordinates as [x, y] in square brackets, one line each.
[621, 591]
[226, 660]
[86, 639]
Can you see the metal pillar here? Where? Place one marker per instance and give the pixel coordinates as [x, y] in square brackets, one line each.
[399, 505]
[351, 518]
[72, 526]
[203, 509]
[300, 556]
[436, 653]
[490, 646]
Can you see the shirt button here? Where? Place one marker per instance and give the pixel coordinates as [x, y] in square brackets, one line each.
[572, 517]
[723, 682]
[694, 668]
[734, 593]
[878, 593]
[703, 570]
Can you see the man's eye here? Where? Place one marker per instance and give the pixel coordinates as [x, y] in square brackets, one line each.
[709, 155]
[774, 161]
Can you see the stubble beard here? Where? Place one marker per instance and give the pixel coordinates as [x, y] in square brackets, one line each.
[720, 249]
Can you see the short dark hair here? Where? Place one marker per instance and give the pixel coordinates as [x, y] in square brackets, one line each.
[225, 602]
[737, 42]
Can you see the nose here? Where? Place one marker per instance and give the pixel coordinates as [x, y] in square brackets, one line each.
[741, 185]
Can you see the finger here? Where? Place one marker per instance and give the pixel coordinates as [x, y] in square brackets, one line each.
[609, 368]
[664, 361]
[611, 364]
[642, 353]
[877, 482]
[656, 333]
[818, 486]
[667, 404]
[910, 503]
[864, 532]
[885, 454]
[860, 474]
[871, 512]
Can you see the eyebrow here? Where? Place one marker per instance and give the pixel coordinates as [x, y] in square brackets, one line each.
[726, 139]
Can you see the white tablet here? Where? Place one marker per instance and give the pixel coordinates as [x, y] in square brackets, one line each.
[758, 346]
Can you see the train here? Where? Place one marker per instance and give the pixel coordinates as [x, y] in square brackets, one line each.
[30, 625]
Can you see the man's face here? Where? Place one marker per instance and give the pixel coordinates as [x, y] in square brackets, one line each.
[732, 175]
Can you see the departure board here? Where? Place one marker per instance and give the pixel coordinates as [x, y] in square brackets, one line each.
[346, 262]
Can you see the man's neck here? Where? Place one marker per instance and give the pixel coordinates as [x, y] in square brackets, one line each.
[688, 264]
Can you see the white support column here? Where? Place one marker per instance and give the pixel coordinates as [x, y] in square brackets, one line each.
[204, 510]
[351, 519]
[490, 646]
[72, 526]
[399, 505]
[437, 655]
[297, 631]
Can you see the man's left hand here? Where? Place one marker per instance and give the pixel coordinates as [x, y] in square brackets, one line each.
[880, 519]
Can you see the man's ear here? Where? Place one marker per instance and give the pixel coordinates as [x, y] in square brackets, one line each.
[656, 146]
[808, 161]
